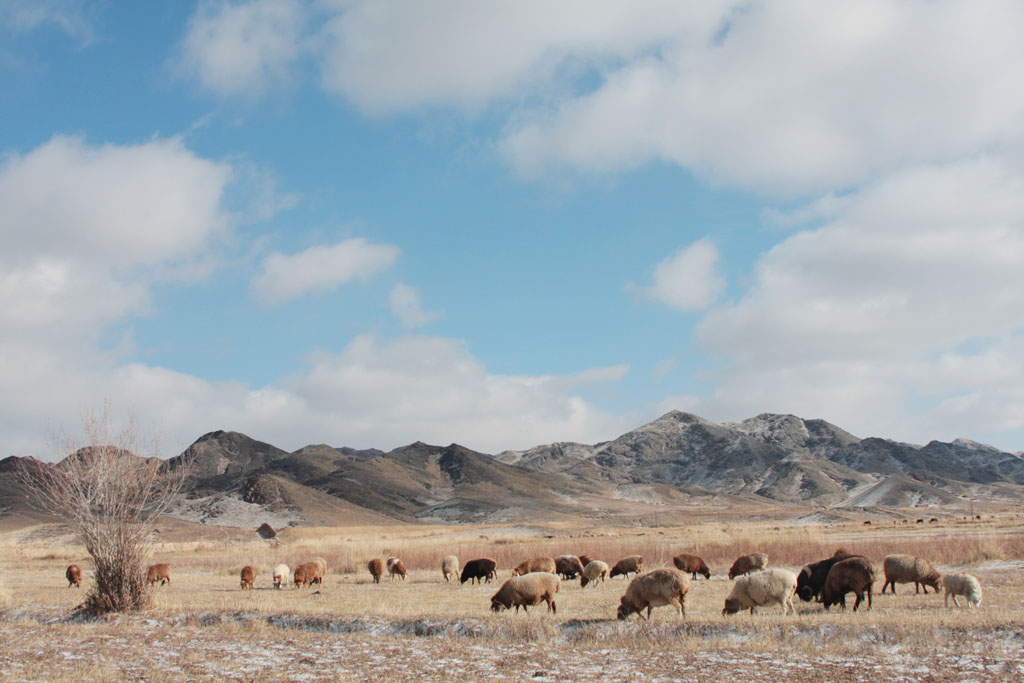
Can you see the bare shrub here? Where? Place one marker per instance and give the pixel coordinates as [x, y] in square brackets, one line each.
[111, 497]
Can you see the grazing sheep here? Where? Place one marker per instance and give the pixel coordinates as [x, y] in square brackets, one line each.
[909, 569]
[307, 574]
[633, 564]
[524, 591]
[595, 569]
[321, 564]
[396, 568]
[479, 570]
[537, 564]
[748, 563]
[691, 564]
[962, 584]
[568, 566]
[585, 560]
[811, 578]
[74, 576]
[248, 577]
[654, 589]
[761, 588]
[854, 574]
[280, 576]
[158, 573]
[376, 567]
[450, 567]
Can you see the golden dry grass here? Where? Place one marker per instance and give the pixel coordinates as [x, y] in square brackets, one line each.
[423, 614]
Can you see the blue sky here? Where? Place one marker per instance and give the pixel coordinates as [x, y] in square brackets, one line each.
[502, 224]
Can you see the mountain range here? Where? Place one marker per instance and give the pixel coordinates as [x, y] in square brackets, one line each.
[673, 468]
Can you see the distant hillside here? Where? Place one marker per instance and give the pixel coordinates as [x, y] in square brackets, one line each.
[674, 467]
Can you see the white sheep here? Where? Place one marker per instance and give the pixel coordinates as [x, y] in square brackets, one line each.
[595, 569]
[962, 584]
[281, 573]
[450, 567]
[765, 587]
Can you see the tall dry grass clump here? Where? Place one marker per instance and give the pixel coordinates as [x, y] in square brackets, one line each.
[110, 496]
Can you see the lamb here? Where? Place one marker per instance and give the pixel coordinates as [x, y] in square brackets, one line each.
[74, 576]
[691, 564]
[248, 577]
[450, 567]
[761, 588]
[962, 584]
[633, 564]
[524, 591]
[158, 573]
[654, 589]
[812, 577]
[748, 563]
[280, 576]
[907, 569]
[568, 566]
[396, 568]
[854, 574]
[595, 569]
[478, 570]
[537, 564]
[376, 567]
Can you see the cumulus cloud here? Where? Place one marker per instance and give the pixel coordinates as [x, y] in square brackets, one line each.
[689, 279]
[408, 308]
[243, 49]
[284, 277]
[908, 298]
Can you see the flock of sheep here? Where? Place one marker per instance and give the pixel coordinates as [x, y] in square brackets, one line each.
[756, 585]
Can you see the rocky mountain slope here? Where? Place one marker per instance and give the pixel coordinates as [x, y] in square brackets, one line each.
[678, 462]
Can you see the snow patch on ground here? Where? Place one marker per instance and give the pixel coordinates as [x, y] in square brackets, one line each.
[231, 510]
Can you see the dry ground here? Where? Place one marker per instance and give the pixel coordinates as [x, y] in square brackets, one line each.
[203, 626]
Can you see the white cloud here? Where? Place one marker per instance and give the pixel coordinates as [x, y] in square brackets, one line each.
[69, 16]
[244, 48]
[408, 308]
[320, 269]
[689, 279]
[865, 320]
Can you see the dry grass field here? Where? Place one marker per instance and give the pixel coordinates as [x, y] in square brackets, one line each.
[202, 626]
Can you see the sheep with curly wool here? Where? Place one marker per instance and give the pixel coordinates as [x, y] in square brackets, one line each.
[655, 589]
[595, 569]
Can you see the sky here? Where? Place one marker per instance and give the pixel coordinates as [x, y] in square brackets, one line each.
[502, 224]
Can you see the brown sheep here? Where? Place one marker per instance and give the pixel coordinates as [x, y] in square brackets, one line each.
[396, 568]
[376, 567]
[633, 564]
[450, 567]
[654, 589]
[568, 566]
[479, 570]
[585, 560]
[74, 576]
[748, 563]
[307, 574]
[248, 577]
[321, 564]
[158, 573]
[691, 564]
[855, 575]
[536, 564]
[907, 569]
[524, 591]
[595, 569]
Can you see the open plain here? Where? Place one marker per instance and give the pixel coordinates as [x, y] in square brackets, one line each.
[203, 626]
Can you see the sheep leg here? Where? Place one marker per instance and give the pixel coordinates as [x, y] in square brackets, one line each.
[649, 608]
[955, 602]
[552, 607]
